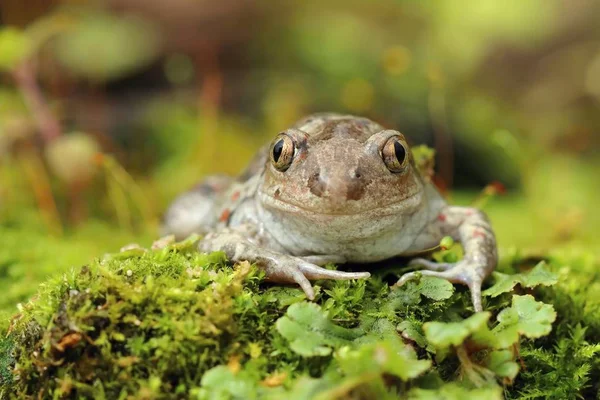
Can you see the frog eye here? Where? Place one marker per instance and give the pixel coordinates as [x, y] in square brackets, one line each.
[395, 154]
[282, 152]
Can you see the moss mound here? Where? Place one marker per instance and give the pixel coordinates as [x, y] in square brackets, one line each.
[173, 323]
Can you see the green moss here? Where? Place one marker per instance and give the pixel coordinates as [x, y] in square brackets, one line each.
[566, 364]
[176, 323]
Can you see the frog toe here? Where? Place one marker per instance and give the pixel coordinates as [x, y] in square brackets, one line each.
[430, 265]
[290, 273]
[312, 271]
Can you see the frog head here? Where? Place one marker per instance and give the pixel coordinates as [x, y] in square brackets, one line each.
[341, 173]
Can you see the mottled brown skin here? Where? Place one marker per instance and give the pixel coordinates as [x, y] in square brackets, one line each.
[333, 188]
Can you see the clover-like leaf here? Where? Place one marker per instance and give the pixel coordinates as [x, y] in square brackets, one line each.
[305, 388]
[222, 383]
[413, 332]
[435, 288]
[389, 356]
[539, 275]
[375, 330]
[453, 391]
[311, 333]
[525, 317]
[502, 363]
[407, 295]
[445, 334]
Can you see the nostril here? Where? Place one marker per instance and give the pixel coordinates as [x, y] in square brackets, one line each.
[357, 174]
[316, 185]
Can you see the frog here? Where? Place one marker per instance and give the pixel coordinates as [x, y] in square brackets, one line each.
[334, 189]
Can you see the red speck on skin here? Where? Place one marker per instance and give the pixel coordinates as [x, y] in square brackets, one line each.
[235, 196]
[469, 213]
[478, 234]
[442, 218]
[225, 215]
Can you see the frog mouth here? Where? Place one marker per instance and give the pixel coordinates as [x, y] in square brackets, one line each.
[409, 202]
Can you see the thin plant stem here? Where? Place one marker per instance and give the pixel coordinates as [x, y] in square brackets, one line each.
[39, 181]
[25, 78]
[443, 142]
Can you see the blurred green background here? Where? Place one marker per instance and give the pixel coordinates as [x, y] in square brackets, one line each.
[109, 109]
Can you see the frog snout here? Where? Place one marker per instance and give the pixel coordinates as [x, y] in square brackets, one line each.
[337, 188]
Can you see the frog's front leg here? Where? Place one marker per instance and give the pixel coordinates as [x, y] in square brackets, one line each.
[472, 228]
[240, 243]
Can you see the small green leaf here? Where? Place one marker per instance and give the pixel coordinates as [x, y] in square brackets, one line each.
[539, 275]
[376, 330]
[446, 334]
[435, 288]
[390, 356]
[412, 331]
[502, 363]
[503, 284]
[305, 388]
[221, 383]
[525, 317]
[446, 242]
[407, 295]
[310, 331]
[454, 391]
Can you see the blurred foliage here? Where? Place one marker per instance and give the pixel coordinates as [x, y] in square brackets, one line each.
[120, 45]
[486, 85]
[14, 47]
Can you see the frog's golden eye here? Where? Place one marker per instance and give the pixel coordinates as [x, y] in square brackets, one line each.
[395, 154]
[282, 152]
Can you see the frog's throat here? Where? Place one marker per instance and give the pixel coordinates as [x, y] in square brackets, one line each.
[411, 201]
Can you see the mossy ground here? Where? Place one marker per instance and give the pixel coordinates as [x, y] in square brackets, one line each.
[174, 323]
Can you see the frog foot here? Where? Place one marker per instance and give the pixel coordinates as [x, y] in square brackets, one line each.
[464, 272]
[301, 271]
